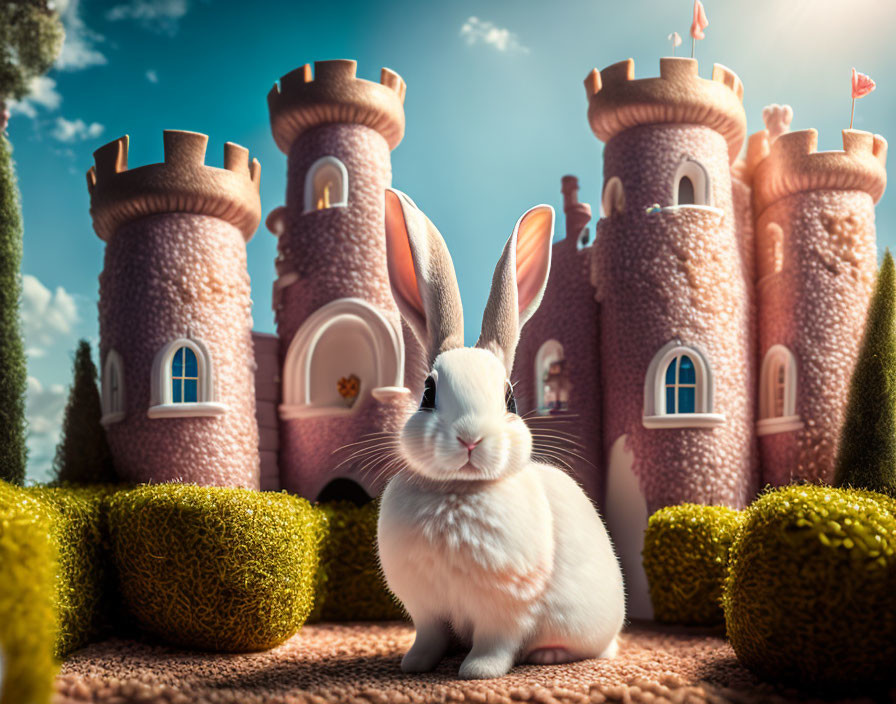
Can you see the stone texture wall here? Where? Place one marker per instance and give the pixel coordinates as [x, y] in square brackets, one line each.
[171, 276]
[338, 253]
[676, 275]
[816, 307]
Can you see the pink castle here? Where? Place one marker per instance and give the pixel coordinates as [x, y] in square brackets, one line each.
[189, 392]
[698, 349]
[702, 346]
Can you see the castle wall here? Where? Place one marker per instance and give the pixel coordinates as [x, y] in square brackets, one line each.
[569, 314]
[677, 274]
[267, 397]
[815, 306]
[165, 277]
[338, 252]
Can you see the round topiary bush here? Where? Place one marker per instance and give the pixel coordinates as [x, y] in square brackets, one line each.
[28, 617]
[351, 586]
[686, 561]
[810, 598]
[216, 568]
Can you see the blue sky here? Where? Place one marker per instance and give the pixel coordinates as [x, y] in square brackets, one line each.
[495, 116]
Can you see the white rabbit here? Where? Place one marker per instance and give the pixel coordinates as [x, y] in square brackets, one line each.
[473, 535]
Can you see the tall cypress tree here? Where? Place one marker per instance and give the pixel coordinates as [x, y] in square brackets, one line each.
[82, 456]
[12, 350]
[31, 38]
[867, 455]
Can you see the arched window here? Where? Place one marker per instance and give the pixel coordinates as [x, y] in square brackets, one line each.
[551, 378]
[184, 376]
[326, 185]
[777, 392]
[613, 200]
[678, 390]
[183, 382]
[681, 385]
[113, 389]
[691, 184]
[344, 353]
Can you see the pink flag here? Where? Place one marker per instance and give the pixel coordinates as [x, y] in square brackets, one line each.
[700, 22]
[861, 84]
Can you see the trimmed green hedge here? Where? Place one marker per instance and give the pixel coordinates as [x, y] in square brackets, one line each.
[85, 588]
[216, 568]
[350, 584]
[686, 561]
[28, 621]
[811, 594]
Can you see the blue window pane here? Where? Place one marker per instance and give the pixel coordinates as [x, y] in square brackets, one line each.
[686, 400]
[175, 390]
[670, 372]
[190, 390]
[686, 373]
[190, 362]
[177, 366]
[670, 399]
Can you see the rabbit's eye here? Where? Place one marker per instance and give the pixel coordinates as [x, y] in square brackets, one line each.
[509, 399]
[428, 402]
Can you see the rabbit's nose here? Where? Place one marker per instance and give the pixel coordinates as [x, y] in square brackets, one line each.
[467, 444]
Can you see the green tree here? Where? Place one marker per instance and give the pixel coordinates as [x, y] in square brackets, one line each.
[30, 40]
[31, 36]
[867, 455]
[82, 456]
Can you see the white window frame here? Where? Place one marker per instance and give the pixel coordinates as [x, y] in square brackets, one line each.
[613, 200]
[324, 161]
[655, 416]
[548, 350]
[776, 358]
[162, 403]
[695, 171]
[113, 412]
[389, 350]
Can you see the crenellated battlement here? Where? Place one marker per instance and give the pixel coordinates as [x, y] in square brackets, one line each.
[792, 163]
[332, 93]
[182, 183]
[618, 101]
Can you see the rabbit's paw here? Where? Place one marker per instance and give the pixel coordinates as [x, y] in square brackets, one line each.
[611, 650]
[428, 649]
[486, 666]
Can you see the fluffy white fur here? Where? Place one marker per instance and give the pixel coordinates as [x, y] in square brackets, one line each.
[478, 539]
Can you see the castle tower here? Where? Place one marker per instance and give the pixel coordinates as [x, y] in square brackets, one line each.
[677, 322]
[175, 312]
[817, 261]
[343, 348]
[556, 369]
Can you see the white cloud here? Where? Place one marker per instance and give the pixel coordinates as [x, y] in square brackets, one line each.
[46, 315]
[477, 31]
[152, 76]
[155, 15]
[75, 130]
[44, 406]
[43, 94]
[79, 50]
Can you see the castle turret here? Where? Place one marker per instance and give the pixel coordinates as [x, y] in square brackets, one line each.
[817, 260]
[676, 321]
[175, 312]
[556, 368]
[344, 350]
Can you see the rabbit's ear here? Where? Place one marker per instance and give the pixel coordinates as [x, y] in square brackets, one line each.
[422, 276]
[519, 282]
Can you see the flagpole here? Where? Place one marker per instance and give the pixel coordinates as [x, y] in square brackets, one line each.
[693, 46]
[852, 115]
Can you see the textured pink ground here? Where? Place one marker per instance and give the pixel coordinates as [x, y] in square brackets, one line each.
[360, 663]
